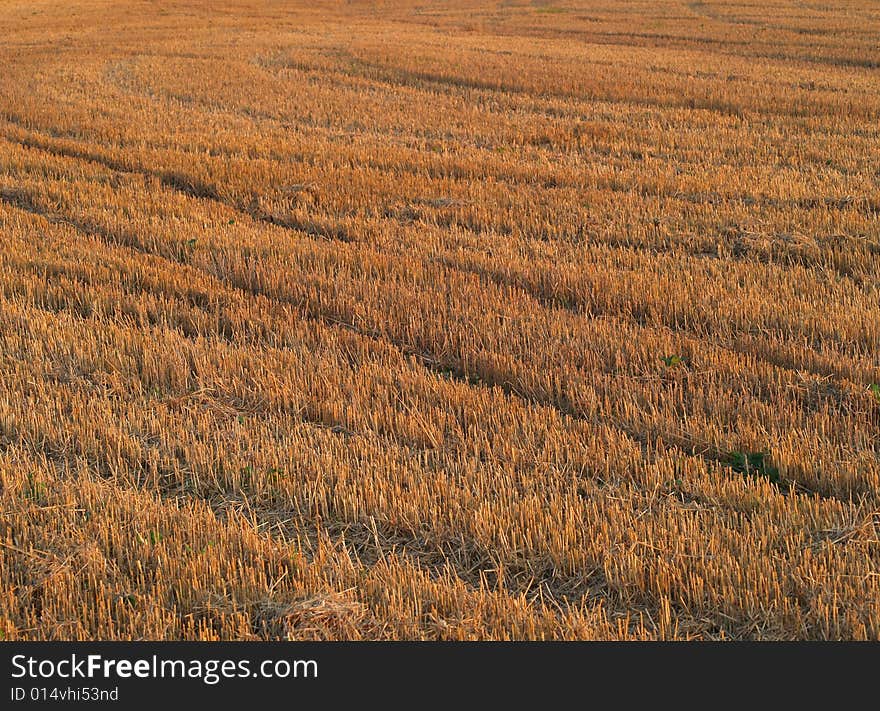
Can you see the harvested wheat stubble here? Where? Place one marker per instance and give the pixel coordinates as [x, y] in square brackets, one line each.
[393, 321]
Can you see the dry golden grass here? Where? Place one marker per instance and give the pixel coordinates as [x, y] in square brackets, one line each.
[335, 320]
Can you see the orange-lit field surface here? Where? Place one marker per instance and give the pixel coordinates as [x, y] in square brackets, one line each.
[459, 320]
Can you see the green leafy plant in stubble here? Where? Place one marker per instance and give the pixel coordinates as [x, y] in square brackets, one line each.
[35, 490]
[754, 464]
[874, 389]
[671, 361]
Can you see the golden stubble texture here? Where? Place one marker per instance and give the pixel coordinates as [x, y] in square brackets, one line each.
[410, 320]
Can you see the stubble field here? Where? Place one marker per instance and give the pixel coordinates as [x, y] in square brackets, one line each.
[464, 320]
